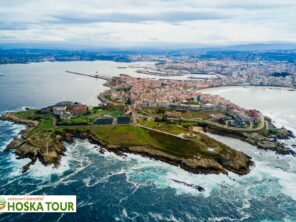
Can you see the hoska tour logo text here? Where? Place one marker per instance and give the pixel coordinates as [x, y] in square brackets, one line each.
[38, 204]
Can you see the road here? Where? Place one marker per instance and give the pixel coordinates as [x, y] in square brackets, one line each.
[249, 129]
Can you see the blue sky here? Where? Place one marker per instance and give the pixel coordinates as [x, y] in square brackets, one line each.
[137, 23]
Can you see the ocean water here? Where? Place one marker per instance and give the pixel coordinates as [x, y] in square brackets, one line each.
[133, 188]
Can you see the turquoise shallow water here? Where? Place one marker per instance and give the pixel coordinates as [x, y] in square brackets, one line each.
[133, 188]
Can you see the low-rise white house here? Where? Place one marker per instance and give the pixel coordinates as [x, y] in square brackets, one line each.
[58, 110]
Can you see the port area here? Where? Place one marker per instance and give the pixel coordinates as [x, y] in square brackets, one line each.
[96, 76]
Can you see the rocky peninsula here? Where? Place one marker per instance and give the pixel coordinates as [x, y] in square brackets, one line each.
[43, 141]
[142, 116]
[261, 139]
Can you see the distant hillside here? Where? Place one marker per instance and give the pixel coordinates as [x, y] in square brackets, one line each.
[25, 53]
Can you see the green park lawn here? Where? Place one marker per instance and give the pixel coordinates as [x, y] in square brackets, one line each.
[45, 133]
[162, 126]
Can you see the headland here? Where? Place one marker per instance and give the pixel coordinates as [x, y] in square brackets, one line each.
[161, 119]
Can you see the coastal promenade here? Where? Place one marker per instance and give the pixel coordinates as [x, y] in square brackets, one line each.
[250, 129]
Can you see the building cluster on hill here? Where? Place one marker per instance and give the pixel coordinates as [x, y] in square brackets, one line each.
[68, 110]
[175, 95]
[215, 72]
[65, 110]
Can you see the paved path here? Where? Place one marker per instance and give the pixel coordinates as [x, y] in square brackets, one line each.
[159, 131]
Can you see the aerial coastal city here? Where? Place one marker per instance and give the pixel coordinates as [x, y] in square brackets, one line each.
[229, 72]
[162, 112]
[155, 112]
[148, 111]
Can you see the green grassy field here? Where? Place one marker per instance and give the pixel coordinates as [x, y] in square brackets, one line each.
[77, 120]
[96, 112]
[152, 111]
[136, 136]
[201, 114]
[44, 135]
[44, 126]
[89, 117]
[29, 114]
[201, 144]
[162, 126]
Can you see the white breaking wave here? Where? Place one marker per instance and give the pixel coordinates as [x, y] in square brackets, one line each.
[279, 172]
[268, 165]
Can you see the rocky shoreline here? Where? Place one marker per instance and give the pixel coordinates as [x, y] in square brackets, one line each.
[256, 139]
[202, 165]
[25, 148]
[13, 118]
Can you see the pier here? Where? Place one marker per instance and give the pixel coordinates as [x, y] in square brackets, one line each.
[88, 75]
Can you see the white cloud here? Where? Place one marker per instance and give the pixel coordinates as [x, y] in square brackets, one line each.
[125, 23]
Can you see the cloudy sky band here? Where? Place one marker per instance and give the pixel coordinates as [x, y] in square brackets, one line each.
[126, 23]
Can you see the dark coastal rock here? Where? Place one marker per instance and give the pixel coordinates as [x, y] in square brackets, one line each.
[240, 166]
[12, 118]
[277, 147]
[50, 149]
[259, 140]
[197, 187]
[24, 149]
[102, 151]
[285, 134]
[14, 144]
[26, 167]
[202, 165]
